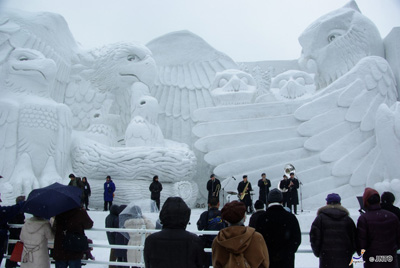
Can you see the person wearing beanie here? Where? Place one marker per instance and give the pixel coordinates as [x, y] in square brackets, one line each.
[259, 207]
[281, 232]
[213, 187]
[244, 189]
[238, 245]
[387, 201]
[333, 234]
[378, 232]
[173, 246]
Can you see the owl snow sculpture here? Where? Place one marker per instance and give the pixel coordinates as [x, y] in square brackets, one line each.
[35, 129]
[331, 137]
[292, 84]
[233, 87]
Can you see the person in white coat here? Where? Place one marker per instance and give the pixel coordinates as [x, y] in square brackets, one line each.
[131, 218]
[35, 234]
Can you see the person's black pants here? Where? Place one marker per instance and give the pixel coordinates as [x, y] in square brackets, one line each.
[107, 205]
[3, 243]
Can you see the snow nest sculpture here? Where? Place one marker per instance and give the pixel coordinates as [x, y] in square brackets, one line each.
[115, 123]
[337, 138]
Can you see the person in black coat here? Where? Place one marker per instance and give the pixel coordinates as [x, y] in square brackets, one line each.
[333, 234]
[244, 188]
[86, 192]
[155, 189]
[109, 223]
[259, 206]
[378, 231]
[284, 187]
[7, 213]
[15, 232]
[281, 232]
[387, 201]
[213, 187]
[173, 246]
[292, 194]
[263, 184]
[120, 239]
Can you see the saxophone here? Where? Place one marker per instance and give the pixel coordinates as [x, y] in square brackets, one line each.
[244, 191]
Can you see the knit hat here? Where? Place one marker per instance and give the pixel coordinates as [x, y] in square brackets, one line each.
[233, 212]
[333, 199]
[387, 198]
[275, 196]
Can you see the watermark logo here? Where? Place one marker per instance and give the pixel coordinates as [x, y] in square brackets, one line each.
[381, 258]
[357, 259]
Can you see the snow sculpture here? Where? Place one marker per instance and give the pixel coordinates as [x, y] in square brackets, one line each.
[292, 84]
[331, 137]
[106, 108]
[233, 87]
[36, 130]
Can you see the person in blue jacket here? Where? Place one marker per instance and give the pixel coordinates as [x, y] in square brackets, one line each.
[109, 189]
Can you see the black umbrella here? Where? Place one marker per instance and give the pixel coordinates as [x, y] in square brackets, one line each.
[52, 200]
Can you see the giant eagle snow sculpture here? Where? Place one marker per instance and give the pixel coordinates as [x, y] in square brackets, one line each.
[331, 137]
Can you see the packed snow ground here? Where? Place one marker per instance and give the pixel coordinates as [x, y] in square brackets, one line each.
[303, 260]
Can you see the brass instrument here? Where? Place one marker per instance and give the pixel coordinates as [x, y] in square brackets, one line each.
[288, 169]
[216, 192]
[244, 191]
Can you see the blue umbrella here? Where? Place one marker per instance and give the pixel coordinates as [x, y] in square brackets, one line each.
[52, 200]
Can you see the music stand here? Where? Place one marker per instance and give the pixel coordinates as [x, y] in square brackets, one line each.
[361, 203]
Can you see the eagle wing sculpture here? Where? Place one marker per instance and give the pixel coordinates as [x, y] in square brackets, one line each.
[187, 66]
[330, 137]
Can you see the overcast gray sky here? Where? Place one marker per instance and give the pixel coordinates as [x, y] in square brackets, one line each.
[245, 30]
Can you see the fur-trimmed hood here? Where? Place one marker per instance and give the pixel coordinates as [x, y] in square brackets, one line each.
[336, 211]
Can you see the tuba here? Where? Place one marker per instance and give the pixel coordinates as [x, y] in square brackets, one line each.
[288, 169]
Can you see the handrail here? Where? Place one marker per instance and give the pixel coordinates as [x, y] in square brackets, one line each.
[142, 231]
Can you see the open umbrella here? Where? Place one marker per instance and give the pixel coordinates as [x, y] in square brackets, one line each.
[52, 200]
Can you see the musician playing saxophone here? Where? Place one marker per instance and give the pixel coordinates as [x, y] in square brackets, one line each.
[213, 187]
[244, 189]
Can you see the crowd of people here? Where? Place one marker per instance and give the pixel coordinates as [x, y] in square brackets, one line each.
[271, 239]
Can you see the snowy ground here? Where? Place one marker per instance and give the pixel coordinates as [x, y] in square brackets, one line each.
[303, 260]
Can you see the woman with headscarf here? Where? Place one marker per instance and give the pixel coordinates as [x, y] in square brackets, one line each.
[132, 218]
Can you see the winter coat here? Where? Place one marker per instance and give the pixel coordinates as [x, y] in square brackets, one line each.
[292, 194]
[378, 232]
[135, 255]
[264, 189]
[120, 239]
[333, 236]
[173, 246]
[389, 207]
[254, 218]
[213, 188]
[109, 223]
[282, 234]
[86, 188]
[35, 234]
[109, 189]
[74, 221]
[155, 189]
[235, 241]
